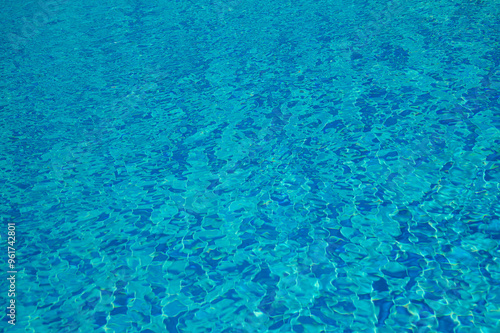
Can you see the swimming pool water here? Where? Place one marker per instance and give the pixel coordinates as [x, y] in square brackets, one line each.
[252, 166]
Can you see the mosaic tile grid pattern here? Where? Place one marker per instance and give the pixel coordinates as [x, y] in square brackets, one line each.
[253, 166]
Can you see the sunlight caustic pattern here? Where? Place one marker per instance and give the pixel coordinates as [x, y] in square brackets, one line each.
[253, 166]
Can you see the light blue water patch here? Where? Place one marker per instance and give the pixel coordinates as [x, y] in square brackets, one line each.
[246, 166]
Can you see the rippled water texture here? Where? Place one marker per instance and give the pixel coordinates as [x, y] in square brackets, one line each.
[252, 166]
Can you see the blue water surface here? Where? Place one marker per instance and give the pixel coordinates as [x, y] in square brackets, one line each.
[251, 166]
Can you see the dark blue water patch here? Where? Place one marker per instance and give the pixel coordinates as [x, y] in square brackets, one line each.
[298, 329]
[346, 223]
[367, 111]
[412, 260]
[423, 238]
[451, 274]
[159, 291]
[391, 121]
[384, 309]
[443, 262]
[356, 56]
[395, 55]
[395, 275]
[278, 324]
[346, 306]
[213, 258]
[480, 307]
[405, 235]
[336, 125]
[143, 213]
[247, 243]
[121, 310]
[380, 285]
[160, 257]
[434, 296]
[424, 309]
[91, 303]
[495, 156]
[366, 206]
[196, 292]
[156, 309]
[281, 198]
[59, 306]
[446, 324]
[264, 277]
[424, 230]
[423, 99]
[269, 306]
[390, 156]
[447, 167]
[213, 184]
[336, 237]
[186, 129]
[102, 217]
[221, 192]
[100, 318]
[71, 258]
[176, 254]
[493, 55]
[198, 217]
[341, 284]
[86, 268]
[466, 321]
[230, 294]
[172, 322]
[268, 231]
[454, 294]
[53, 305]
[492, 175]
[401, 310]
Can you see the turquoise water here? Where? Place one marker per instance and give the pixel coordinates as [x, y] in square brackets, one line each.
[252, 166]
